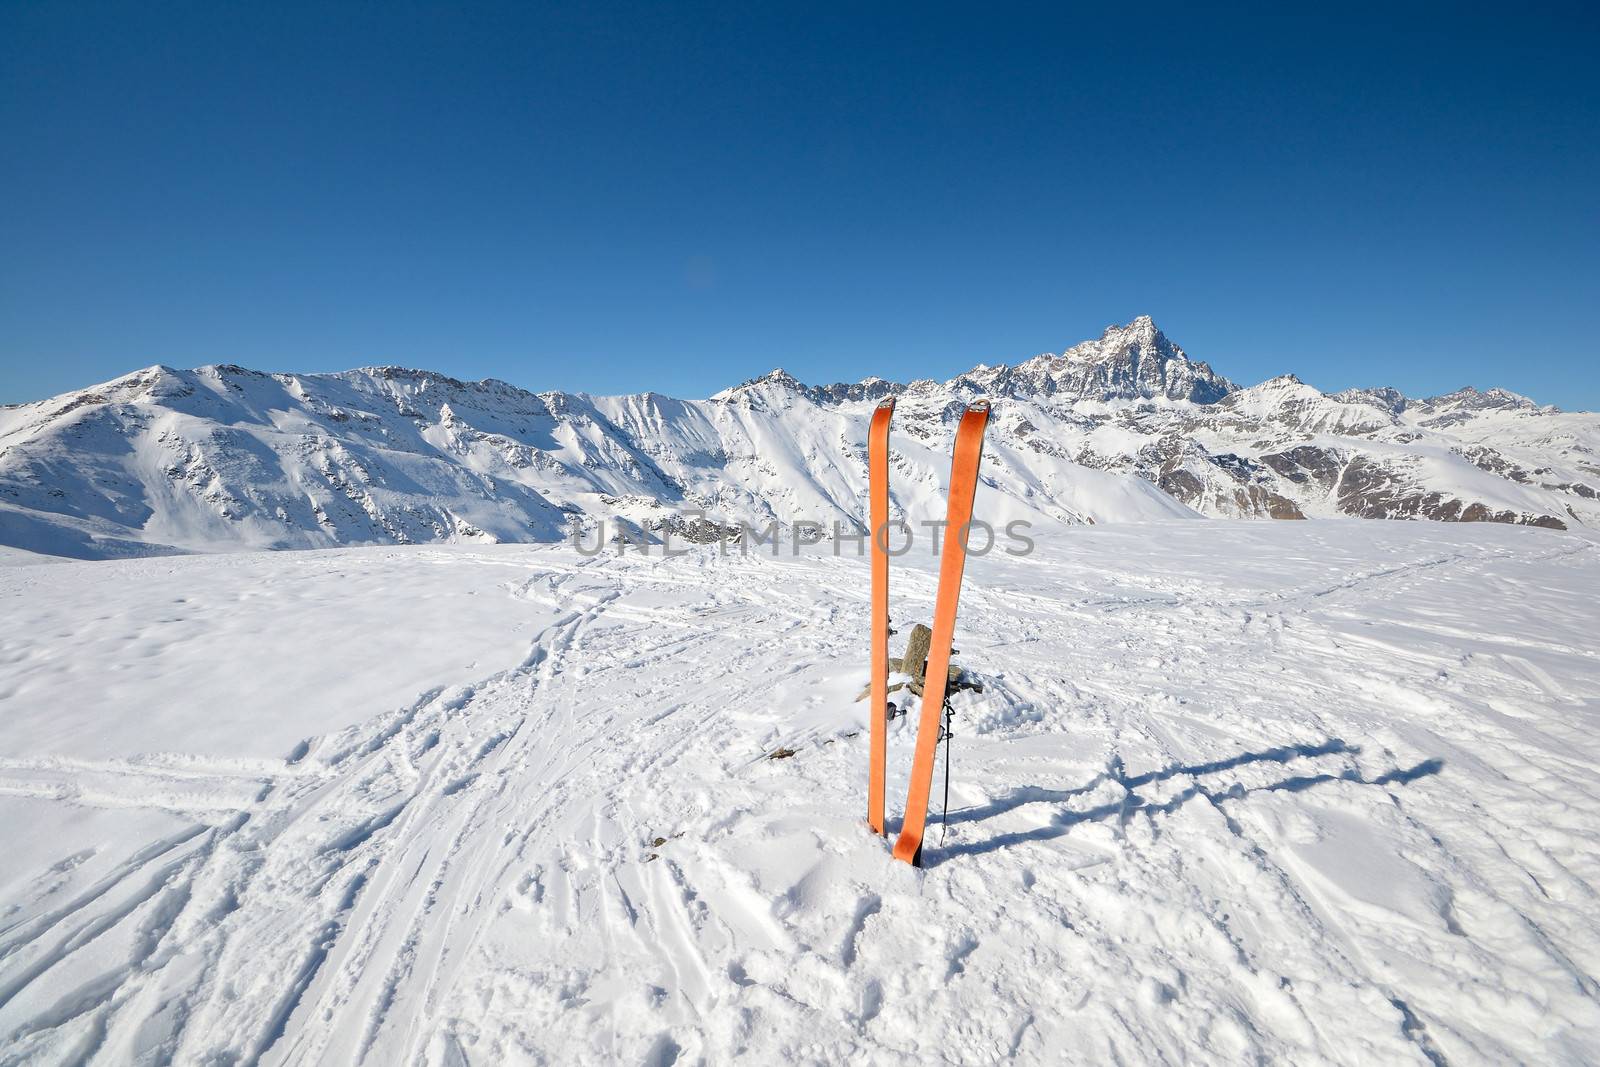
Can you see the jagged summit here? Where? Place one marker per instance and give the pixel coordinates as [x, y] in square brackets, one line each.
[1470, 398]
[777, 376]
[1132, 362]
[1390, 400]
[1141, 331]
[1280, 383]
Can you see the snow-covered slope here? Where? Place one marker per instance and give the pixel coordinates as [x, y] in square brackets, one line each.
[1125, 428]
[225, 458]
[1234, 793]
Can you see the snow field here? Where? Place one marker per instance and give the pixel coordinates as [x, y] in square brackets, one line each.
[1314, 792]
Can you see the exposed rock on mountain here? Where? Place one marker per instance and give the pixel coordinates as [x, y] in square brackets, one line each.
[1132, 362]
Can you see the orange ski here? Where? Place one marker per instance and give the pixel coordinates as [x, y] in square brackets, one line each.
[963, 486]
[878, 706]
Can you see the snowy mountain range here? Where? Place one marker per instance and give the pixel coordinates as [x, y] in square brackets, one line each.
[1126, 427]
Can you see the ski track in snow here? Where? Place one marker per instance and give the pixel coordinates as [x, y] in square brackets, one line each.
[1321, 793]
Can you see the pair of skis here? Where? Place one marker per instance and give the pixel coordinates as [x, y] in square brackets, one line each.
[963, 486]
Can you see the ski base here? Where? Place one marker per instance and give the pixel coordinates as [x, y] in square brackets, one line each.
[963, 489]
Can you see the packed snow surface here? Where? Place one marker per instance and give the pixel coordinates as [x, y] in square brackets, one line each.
[1315, 792]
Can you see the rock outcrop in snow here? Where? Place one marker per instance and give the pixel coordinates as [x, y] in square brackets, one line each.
[1132, 362]
[1126, 427]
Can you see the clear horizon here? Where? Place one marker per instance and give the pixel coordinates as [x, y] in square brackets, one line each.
[941, 377]
[637, 199]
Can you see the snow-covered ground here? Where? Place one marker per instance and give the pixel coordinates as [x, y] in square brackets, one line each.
[1316, 792]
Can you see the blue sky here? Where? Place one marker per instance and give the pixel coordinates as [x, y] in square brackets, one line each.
[615, 198]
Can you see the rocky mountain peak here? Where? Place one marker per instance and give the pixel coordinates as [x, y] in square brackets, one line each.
[1391, 400]
[1135, 361]
[1468, 398]
[1132, 362]
[1282, 383]
[1142, 331]
[778, 376]
[775, 380]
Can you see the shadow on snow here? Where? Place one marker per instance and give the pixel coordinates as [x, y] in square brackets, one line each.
[1131, 804]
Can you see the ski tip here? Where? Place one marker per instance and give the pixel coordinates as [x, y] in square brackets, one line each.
[886, 404]
[978, 405]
